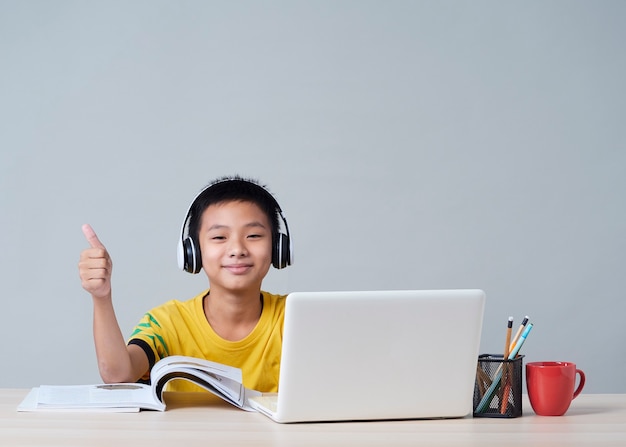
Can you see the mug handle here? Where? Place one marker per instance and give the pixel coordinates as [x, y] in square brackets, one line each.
[581, 383]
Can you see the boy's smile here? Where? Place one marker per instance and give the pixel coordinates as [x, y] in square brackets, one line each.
[238, 269]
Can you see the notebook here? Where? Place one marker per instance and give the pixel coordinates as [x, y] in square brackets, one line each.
[377, 355]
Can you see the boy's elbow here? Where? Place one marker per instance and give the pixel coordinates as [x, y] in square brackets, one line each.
[114, 375]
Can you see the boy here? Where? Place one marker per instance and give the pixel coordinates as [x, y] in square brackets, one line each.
[233, 234]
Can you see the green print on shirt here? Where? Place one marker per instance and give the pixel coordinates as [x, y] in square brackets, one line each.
[153, 337]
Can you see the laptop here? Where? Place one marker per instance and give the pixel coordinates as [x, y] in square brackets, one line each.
[377, 355]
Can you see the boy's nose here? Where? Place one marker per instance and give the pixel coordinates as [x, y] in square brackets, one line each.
[237, 249]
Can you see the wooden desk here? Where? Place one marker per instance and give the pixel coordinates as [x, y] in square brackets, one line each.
[201, 419]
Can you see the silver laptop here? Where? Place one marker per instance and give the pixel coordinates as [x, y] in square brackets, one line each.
[377, 355]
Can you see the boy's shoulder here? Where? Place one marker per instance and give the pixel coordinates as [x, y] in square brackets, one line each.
[273, 296]
[274, 303]
[177, 306]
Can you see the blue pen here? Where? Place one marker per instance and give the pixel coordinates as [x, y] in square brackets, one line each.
[496, 380]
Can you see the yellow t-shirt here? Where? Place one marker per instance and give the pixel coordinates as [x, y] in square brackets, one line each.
[181, 328]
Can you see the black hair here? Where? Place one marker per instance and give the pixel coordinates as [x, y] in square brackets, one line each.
[233, 189]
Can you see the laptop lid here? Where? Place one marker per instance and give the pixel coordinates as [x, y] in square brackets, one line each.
[379, 355]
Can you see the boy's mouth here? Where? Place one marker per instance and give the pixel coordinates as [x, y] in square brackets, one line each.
[238, 269]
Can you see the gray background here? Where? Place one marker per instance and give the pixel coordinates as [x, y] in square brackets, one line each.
[411, 145]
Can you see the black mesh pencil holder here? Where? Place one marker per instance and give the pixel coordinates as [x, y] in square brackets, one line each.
[498, 387]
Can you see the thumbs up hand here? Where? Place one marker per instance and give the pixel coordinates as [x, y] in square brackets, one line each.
[95, 266]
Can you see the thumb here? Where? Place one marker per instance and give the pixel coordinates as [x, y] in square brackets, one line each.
[91, 237]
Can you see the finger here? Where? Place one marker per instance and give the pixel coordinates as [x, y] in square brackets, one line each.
[91, 237]
[89, 254]
[96, 262]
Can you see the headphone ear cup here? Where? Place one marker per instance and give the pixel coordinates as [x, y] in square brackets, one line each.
[180, 254]
[192, 261]
[281, 257]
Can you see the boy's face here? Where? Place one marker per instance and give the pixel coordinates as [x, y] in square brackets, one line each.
[236, 245]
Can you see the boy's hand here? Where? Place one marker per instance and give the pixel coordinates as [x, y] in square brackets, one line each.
[95, 266]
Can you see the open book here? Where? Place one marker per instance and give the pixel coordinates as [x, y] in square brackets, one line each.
[221, 380]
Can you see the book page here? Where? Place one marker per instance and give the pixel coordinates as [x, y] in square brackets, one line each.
[221, 380]
[178, 361]
[97, 396]
[31, 403]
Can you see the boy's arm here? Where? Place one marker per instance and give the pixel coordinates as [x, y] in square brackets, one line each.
[117, 362]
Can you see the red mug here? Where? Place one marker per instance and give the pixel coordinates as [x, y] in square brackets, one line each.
[551, 386]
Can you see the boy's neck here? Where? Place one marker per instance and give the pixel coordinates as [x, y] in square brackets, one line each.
[231, 315]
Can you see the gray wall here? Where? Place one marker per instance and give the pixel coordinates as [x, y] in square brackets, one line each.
[411, 145]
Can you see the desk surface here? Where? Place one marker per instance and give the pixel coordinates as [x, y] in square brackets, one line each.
[201, 419]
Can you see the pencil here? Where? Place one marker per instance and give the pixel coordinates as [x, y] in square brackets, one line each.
[507, 371]
[518, 333]
[505, 389]
[507, 347]
[480, 379]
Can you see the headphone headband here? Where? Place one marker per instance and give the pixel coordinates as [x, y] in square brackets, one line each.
[188, 252]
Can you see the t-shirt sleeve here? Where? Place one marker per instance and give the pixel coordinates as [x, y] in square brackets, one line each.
[148, 335]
